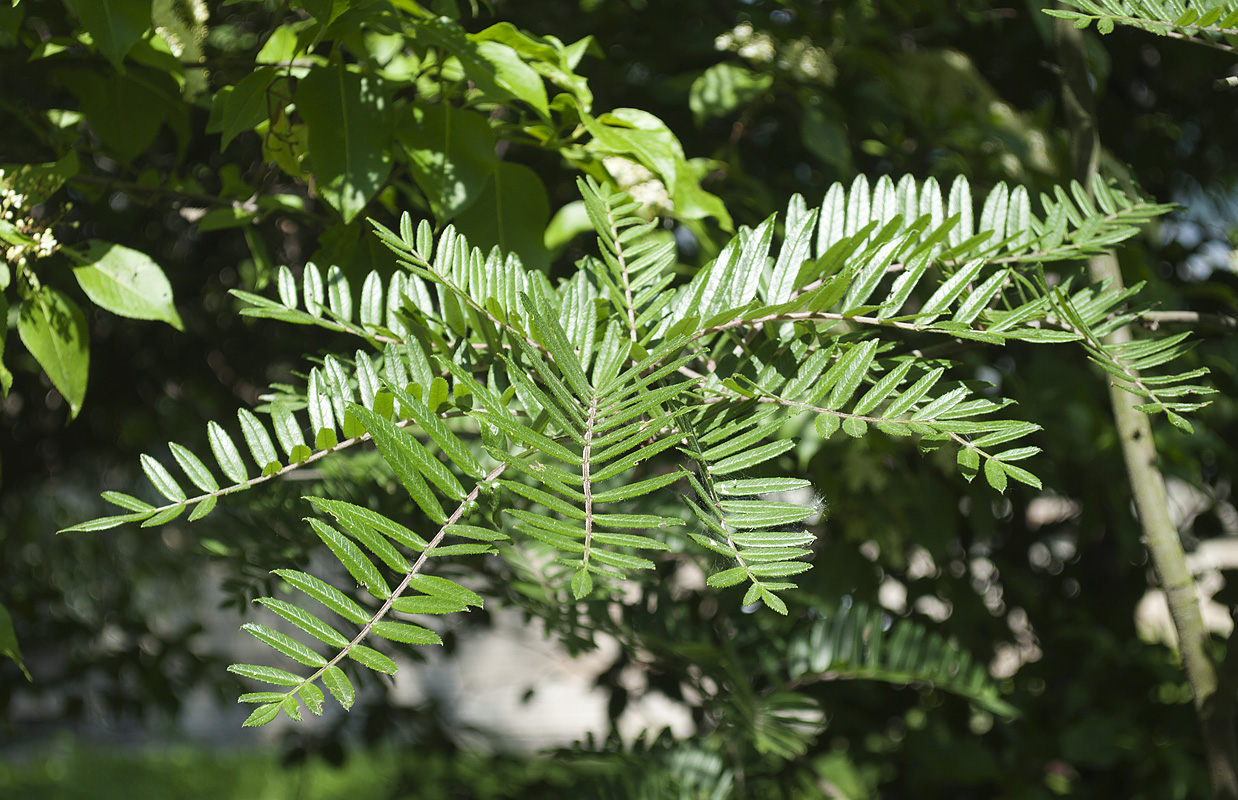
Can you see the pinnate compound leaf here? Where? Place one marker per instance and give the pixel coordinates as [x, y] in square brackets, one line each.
[126, 282]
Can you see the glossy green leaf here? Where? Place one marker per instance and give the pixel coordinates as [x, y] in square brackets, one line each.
[451, 156]
[247, 105]
[53, 329]
[126, 282]
[725, 87]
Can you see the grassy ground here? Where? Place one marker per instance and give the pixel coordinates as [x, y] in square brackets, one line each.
[73, 772]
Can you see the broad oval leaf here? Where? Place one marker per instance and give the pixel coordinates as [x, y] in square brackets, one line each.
[126, 282]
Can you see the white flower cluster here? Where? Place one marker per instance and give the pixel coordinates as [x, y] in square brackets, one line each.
[801, 57]
[644, 187]
[12, 204]
[751, 44]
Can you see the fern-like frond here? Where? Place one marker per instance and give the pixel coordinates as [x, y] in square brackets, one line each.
[901, 256]
[635, 268]
[328, 302]
[1095, 314]
[476, 294]
[1210, 23]
[308, 423]
[851, 386]
[608, 424]
[760, 540]
[857, 641]
[362, 536]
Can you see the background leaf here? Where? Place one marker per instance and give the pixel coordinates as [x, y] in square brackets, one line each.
[114, 25]
[350, 129]
[451, 156]
[511, 212]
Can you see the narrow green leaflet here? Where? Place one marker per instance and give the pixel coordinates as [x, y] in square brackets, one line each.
[326, 594]
[305, 621]
[162, 479]
[126, 282]
[194, 468]
[8, 642]
[403, 632]
[259, 441]
[372, 659]
[284, 644]
[356, 562]
[340, 687]
[277, 677]
[226, 454]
